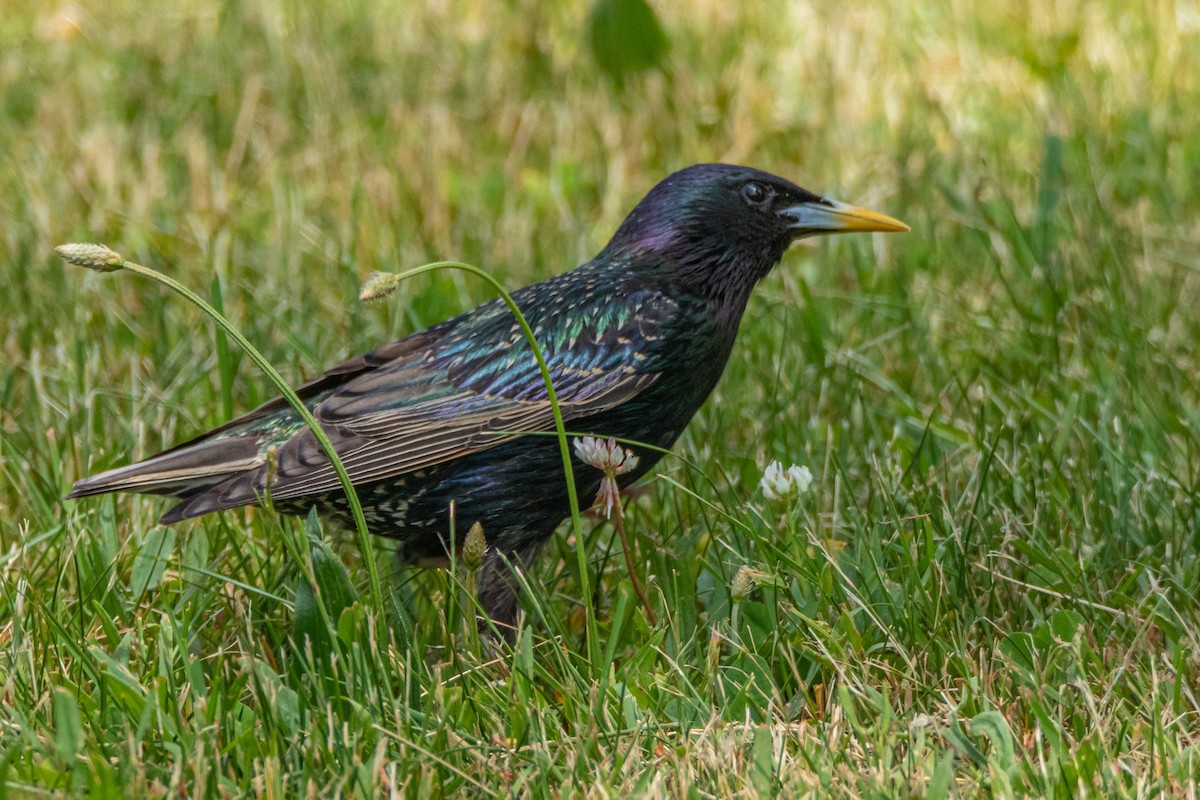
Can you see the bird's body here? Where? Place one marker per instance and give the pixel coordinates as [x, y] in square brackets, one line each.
[635, 340]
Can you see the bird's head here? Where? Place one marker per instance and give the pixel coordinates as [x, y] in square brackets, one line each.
[723, 227]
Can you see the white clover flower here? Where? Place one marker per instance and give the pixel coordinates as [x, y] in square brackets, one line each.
[611, 459]
[781, 484]
[605, 455]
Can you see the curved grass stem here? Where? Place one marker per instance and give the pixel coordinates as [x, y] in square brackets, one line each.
[102, 259]
[593, 641]
[619, 523]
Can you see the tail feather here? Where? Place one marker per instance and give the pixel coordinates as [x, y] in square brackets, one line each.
[235, 490]
[180, 472]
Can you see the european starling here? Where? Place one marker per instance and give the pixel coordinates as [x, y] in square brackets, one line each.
[635, 340]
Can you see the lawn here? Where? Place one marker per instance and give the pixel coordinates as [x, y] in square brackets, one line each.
[992, 587]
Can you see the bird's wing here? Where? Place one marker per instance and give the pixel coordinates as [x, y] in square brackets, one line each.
[240, 444]
[411, 417]
[472, 385]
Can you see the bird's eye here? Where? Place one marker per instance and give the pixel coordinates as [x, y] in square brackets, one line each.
[754, 193]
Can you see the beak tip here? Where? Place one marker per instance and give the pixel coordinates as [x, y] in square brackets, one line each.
[831, 216]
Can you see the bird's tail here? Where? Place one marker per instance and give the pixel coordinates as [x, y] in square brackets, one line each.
[181, 472]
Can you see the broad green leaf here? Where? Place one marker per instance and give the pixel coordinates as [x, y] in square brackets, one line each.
[993, 727]
[68, 728]
[151, 560]
[626, 38]
[331, 589]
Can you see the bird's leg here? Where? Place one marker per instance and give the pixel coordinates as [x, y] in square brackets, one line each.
[499, 585]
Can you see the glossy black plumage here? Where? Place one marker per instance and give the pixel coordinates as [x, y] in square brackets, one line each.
[636, 339]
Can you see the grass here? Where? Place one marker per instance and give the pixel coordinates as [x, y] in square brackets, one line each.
[990, 589]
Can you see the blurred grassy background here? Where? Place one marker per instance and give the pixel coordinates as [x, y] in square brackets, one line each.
[992, 587]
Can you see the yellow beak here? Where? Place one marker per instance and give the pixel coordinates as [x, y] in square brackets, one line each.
[830, 216]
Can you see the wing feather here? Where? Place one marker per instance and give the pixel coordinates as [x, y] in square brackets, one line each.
[459, 388]
[413, 441]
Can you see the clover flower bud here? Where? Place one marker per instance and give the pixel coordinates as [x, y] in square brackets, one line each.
[474, 548]
[92, 256]
[377, 285]
[743, 585]
[272, 471]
